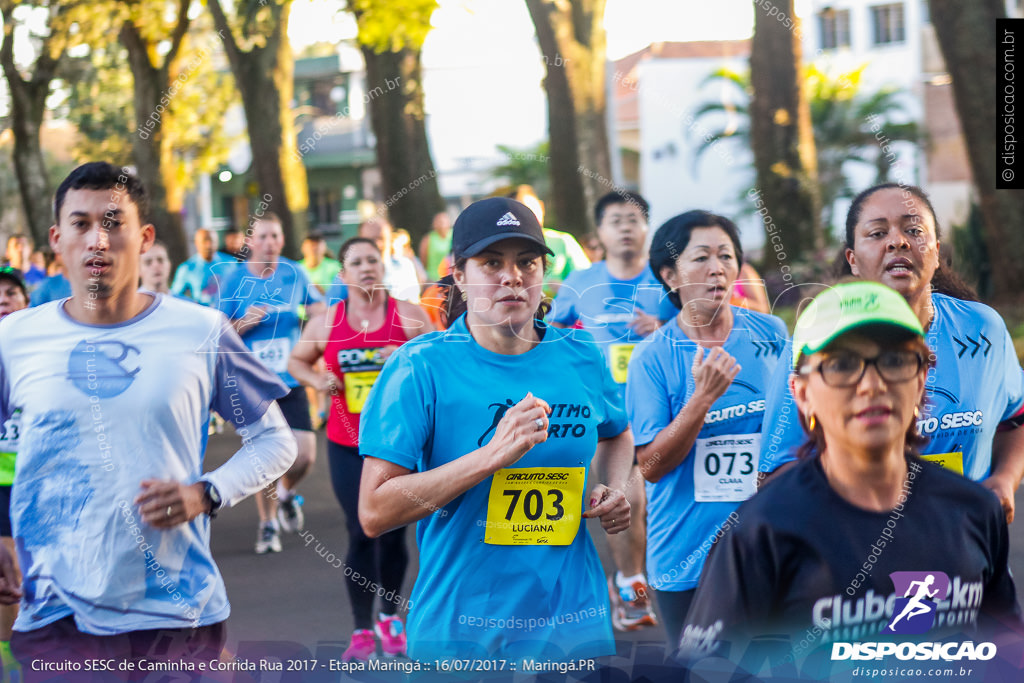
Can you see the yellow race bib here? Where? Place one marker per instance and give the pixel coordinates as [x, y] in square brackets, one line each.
[535, 506]
[619, 355]
[951, 461]
[357, 388]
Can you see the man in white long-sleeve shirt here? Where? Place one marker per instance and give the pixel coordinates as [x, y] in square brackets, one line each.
[110, 507]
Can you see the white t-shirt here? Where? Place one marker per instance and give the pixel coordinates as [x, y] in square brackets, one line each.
[104, 407]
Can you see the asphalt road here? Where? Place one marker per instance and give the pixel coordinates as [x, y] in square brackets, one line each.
[293, 605]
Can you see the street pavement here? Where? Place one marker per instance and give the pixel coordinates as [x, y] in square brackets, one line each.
[293, 605]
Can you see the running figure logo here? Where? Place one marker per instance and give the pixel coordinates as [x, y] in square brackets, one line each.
[914, 613]
[502, 408]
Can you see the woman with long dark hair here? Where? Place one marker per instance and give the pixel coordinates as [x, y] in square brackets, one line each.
[354, 337]
[976, 391]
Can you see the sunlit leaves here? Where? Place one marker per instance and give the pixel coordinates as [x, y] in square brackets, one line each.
[393, 25]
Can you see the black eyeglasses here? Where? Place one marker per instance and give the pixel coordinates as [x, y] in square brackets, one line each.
[846, 369]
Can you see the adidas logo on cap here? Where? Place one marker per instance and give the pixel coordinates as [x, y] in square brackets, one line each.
[508, 219]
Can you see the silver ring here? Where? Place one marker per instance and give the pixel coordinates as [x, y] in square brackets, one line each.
[169, 510]
[540, 424]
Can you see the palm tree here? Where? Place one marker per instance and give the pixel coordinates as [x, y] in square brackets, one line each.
[849, 125]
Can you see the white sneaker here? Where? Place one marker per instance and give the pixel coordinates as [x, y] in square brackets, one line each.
[289, 514]
[269, 539]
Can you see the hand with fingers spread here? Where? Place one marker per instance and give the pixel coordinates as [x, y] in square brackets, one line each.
[166, 504]
[611, 507]
[522, 427]
[713, 371]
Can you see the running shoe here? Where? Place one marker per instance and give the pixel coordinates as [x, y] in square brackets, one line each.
[362, 647]
[269, 539]
[289, 514]
[631, 606]
[391, 632]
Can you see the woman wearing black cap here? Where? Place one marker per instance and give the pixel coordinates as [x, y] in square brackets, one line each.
[695, 396]
[484, 433]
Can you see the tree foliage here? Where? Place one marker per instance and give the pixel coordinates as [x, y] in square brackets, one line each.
[850, 125]
[526, 166]
[393, 25]
[30, 79]
[391, 35]
[99, 103]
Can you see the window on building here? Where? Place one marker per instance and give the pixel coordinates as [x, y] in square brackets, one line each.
[324, 206]
[888, 24]
[835, 28]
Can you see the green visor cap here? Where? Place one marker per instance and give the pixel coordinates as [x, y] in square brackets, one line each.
[845, 307]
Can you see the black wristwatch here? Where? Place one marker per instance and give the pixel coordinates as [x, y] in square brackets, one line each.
[212, 499]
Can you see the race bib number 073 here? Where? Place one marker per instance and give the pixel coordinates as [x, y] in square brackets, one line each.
[535, 506]
[725, 468]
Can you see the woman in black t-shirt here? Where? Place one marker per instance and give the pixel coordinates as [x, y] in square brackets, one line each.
[862, 541]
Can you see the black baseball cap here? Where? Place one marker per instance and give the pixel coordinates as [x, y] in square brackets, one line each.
[491, 220]
[15, 276]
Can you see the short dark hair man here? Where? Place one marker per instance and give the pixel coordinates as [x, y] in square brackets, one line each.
[619, 301]
[115, 387]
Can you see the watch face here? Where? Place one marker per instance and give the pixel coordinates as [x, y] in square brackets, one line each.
[214, 495]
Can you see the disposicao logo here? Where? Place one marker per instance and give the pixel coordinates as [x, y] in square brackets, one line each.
[914, 614]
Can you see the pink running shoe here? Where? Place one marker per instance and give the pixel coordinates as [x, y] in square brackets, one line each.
[391, 632]
[362, 647]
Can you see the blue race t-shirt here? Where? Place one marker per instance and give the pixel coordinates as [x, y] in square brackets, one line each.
[281, 294]
[196, 278]
[976, 383]
[52, 288]
[507, 569]
[605, 306]
[688, 506]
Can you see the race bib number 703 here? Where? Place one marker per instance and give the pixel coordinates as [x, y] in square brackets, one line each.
[535, 506]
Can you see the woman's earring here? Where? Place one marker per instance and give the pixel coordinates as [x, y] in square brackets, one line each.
[917, 412]
[811, 423]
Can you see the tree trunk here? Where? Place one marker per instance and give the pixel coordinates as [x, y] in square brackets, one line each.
[781, 135]
[961, 27]
[150, 152]
[394, 82]
[27, 106]
[264, 75]
[30, 168]
[572, 44]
